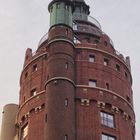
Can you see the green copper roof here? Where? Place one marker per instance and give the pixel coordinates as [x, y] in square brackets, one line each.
[60, 12]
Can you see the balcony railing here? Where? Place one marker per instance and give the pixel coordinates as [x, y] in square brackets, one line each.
[94, 21]
[43, 39]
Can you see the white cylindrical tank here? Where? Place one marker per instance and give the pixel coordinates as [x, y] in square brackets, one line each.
[8, 129]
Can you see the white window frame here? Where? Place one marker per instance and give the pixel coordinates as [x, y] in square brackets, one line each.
[107, 119]
[108, 137]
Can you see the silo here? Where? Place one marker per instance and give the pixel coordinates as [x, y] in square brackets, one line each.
[8, 130]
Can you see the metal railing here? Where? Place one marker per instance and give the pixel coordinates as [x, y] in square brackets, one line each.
[91, 20]
[43, 39]
[94, 21]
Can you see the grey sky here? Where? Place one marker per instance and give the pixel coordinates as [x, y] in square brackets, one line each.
[24, 22]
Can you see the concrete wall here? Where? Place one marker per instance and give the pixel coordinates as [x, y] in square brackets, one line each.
[8, 130]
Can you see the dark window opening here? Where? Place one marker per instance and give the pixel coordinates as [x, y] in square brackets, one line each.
[91, 58]
[126, 76]
[66, 102]
[35, 67]
[24, 99]
[33, 92]
[117, 67]
[106, 62]
[26, 75]
[127, 98]
[45, 56]
[107, 86]
[96, 41]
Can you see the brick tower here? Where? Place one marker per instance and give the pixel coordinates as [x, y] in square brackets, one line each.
[76, 86]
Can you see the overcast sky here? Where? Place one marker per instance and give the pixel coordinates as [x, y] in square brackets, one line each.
[24, 22]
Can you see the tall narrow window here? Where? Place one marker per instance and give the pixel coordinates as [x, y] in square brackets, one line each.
[67, 31]
[24, 132]
[107, 86]
[66, 137]
[107, 137]
[91, 58]
[117, 67]
[126, 76]
[106, 62]
[35, 67]
[33, 92]
[128, 98]
[107, 120]
[66, 65]
[24, 99]
[92, 83]
[66, 102]
[26, 75]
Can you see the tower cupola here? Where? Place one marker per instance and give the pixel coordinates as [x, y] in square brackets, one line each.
[81, 10]
[60, 12]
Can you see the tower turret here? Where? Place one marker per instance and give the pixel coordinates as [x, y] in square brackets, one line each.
[60, 12]
[81, 10]
[60, 84]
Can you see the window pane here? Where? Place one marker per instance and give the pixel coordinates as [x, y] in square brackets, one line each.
[92, 83]
[101, 113]
[110, 117]
[107, 119]
[107, 137]
[106, 61]
[91, 58]
[111, 124]
[111, 138]
[104, 137]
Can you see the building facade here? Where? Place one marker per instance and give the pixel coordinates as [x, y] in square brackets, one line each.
[76, 86]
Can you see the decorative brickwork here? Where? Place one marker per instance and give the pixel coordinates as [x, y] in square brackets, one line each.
[57, 101]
